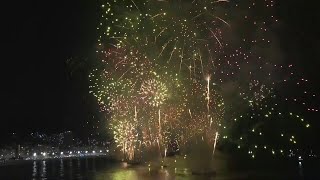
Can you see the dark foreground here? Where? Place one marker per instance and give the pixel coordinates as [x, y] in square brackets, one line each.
[98, 168]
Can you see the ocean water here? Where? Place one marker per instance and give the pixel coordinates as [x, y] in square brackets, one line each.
[98, 168]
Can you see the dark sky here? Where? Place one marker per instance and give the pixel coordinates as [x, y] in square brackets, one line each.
[300, 35]
[37, 93]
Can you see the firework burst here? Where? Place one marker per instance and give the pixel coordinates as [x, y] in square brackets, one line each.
[171, 71]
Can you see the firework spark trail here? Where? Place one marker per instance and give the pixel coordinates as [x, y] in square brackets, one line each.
[208, 94]
[135, 5]
[174, 48]
[218, 1]
[215, 143]
[181, 57]
[156, 15]
[159, 113]
[197, 16]
[135, 114]
[190, 114]
[165, 152]
[225, 22]
[201, 62]
[215, 36]
[160, 33]
[163, 48]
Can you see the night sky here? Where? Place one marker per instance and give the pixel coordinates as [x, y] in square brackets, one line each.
[38, 91]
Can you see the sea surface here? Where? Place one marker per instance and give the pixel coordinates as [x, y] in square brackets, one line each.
[100, 168]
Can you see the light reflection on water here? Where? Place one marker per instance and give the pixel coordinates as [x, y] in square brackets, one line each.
[300, 169]
[34, 169]
[101, 169]
[134, 173]
[43, 173]
[61, 172]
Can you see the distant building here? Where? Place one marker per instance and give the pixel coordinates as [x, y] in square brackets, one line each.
[67, 139]
[17, 152]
